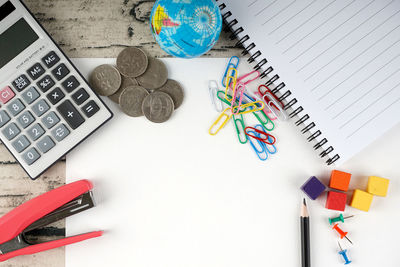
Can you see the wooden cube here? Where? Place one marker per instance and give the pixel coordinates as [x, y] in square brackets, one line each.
[336, 201]
[340, 180]
[313, 187]
[361, 200]
[378, 186]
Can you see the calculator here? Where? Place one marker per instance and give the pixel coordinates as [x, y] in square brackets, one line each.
[46, 106]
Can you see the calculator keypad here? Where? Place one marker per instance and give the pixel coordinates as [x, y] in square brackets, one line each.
[50, 59]
[31, 156]
[42, 107]
[36, 71]
[21, 143]
[50, 120]
[60, 72]
[15, 107]
[30, 95]
[35, 132]
[6, 95]
[21, 83]
[46, 83]
[25, 119]
[55, 96]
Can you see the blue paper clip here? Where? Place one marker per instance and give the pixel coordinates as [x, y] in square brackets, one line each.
[267, 147]
[240, 128]
[265, 121]
[231, 64]
[260, 150]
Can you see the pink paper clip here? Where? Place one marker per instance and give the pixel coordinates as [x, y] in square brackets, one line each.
[249, 80]
[268, 139]
[238, 90]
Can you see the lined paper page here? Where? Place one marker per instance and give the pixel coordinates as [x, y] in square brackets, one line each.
[340, 59]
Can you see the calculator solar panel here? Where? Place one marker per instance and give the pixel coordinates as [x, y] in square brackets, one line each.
[46, 106]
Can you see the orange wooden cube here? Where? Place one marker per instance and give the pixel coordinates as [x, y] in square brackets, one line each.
[340, 180]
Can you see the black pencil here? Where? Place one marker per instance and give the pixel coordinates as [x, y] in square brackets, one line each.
[305, 235]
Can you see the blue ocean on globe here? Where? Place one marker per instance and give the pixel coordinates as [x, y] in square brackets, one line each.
[186, 28]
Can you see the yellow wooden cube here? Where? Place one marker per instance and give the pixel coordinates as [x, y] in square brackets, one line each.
[361, 200]
[378, 186]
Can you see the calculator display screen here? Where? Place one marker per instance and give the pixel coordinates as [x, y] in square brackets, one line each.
[14, 40]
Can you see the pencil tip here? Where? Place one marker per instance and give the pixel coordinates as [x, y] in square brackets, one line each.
[304, 202]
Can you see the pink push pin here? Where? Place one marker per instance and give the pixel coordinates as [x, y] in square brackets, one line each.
[341, 232]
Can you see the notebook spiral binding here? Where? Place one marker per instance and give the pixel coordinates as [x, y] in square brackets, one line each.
[289, 104]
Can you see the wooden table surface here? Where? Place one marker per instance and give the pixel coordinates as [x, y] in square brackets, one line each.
[82, 28]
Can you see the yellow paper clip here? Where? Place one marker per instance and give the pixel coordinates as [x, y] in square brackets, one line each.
[250, 107]
[230, 82]
[222, 120]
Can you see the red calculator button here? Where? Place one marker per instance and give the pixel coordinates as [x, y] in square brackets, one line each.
[6, 94]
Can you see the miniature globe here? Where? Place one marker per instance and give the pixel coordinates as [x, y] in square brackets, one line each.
[186, 28]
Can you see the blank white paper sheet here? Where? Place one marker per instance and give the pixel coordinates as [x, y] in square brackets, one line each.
[171, 195]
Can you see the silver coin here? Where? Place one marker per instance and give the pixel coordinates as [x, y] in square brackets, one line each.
[105, 80]
[126, 82]
[158, 107]
[132, 62]
[155, 76]
[174, 90]
[131, 100]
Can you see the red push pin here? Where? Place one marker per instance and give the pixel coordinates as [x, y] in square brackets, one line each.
[341, 233]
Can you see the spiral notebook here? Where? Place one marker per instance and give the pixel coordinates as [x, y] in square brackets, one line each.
[336, 65]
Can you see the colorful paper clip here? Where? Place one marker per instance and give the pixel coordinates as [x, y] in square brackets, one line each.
[274, 107]
[267, 139]
[249, 80]
[266, 110]
[250, 107]
[260, 148]
[222, 120]
[260, 115]
[231, 83]
[263, 89]
[270, 149]
[238, 92]
[232, 63]
[238, 121]
[213, 90]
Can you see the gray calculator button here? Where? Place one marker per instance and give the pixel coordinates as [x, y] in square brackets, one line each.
[11, 131]
[30, 95]
[21, 83]
[50, 120]
[15, 107]
[31, 156]
[4, 118]
[45, 144]
[40, 107]
[21, 143]
[25, 119]
[60, 132]
[35, 132]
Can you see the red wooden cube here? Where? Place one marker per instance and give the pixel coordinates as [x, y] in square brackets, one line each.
[336, 201]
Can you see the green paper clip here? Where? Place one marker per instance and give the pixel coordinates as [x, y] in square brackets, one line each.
[240, 128]
[264, 120]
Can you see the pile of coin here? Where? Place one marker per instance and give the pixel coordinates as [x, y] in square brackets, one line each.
[139, 84]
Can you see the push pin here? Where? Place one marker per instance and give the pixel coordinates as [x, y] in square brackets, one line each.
[340, 218]
[344, 255]
[341, 233]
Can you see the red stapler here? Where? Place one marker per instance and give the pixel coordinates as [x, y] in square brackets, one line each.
[50, 207]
